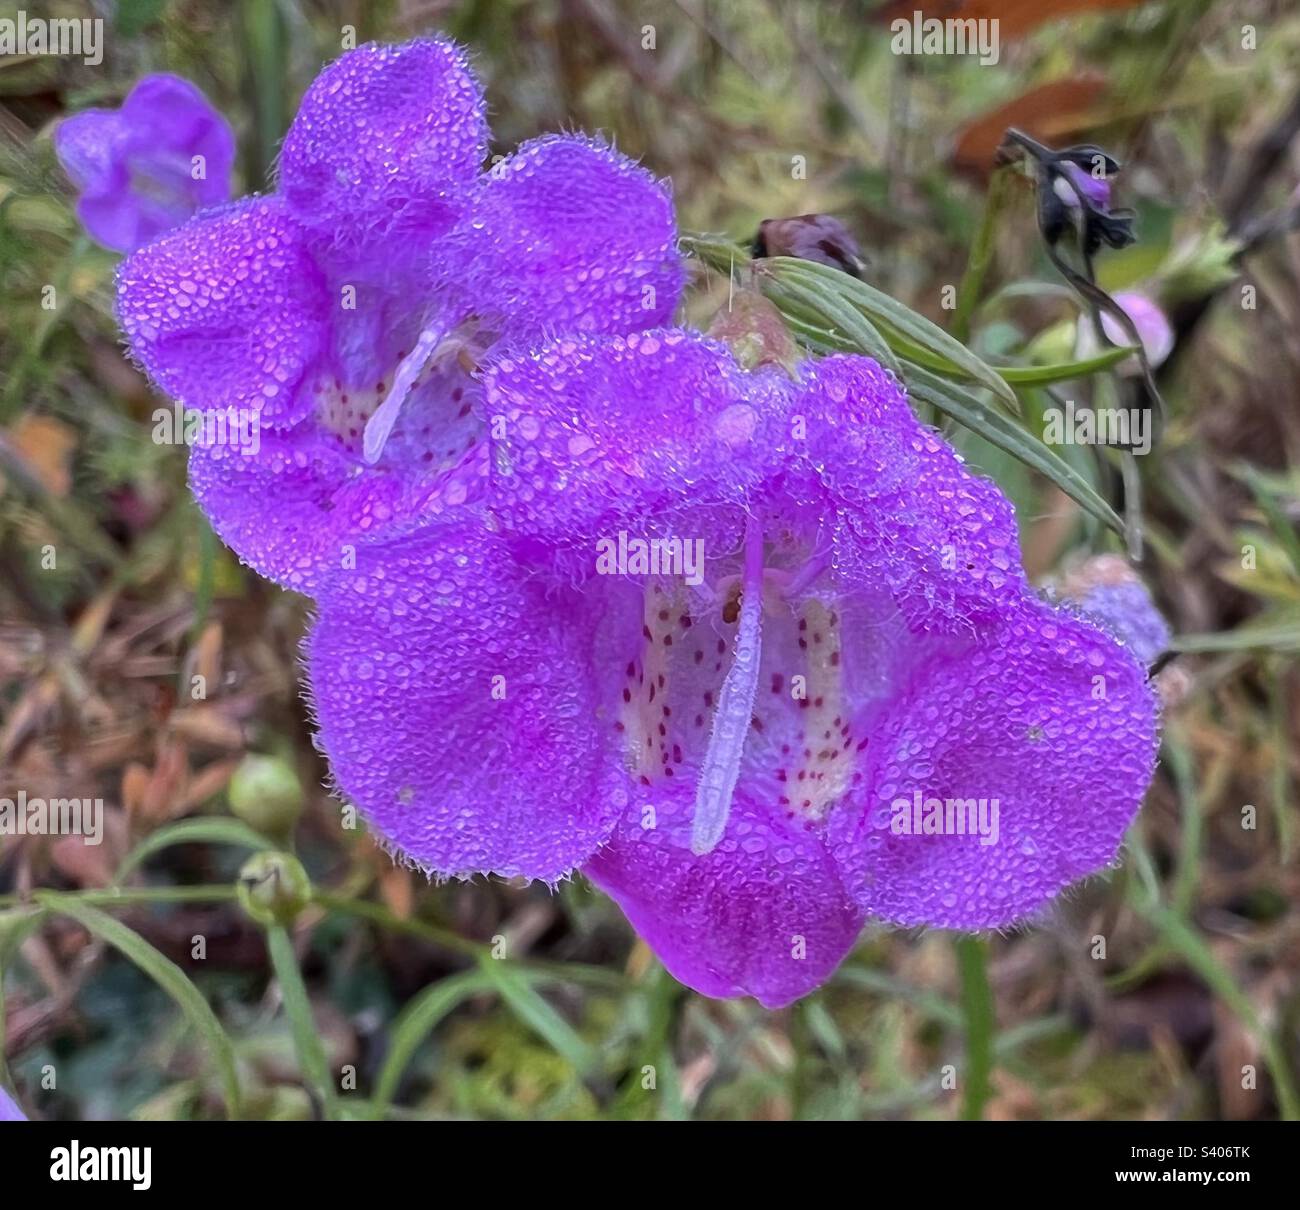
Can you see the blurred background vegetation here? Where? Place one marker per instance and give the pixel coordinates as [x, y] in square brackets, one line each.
[391, 979]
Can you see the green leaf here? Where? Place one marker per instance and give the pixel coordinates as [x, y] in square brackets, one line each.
[1063, 371]
[297, 1007]
[416, 1022]
[889, 312]
[524, 1001]
[163, 971]
[844, 320]
[1007, 435]
[205, 830]
[136, 16]
[1275, 636]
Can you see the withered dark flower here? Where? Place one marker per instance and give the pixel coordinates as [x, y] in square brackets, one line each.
[1074, 195]
[814, 237]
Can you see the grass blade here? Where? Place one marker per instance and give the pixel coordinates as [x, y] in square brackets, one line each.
[1187, 942]
[522, 998]
[1262, 636]
[163, 971]
[416, 1022]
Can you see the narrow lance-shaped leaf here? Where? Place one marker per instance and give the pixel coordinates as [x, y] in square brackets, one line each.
[883, 309]
[1064, 371]
[1006, 434]
[163, 971]
[848, 320]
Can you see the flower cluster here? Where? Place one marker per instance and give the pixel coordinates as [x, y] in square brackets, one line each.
[468, 386]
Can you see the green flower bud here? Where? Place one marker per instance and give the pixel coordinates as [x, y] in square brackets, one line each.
[755, 331]
[273, 888]
[266, 794]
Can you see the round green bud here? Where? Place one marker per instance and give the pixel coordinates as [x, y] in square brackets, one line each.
[273, 888]
[266, 794]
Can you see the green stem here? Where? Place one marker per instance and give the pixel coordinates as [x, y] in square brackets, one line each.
[800, 1071]
[977, 1010]
[297, 1006]
[378, 914]
[135, 896]
[1283, 790]
[265, 52]
[981, 254]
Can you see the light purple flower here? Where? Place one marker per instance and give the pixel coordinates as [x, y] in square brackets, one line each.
[145, 168]
[1149, 321]
[1109, 591]
[1153, 328]
[725, 757]
[352, 308]
[9, 1111]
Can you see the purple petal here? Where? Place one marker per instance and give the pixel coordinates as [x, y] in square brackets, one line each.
[1153, 327]
[385, 140]
[567, 235]
[457, 701]
[90, 147]
[598, 434]
[943, 539]
[653, 432]
[172, 123]
[228, 311]
[764, 914]
[9, 1111]
[1127, 612]
[1110, 592]
[297, 509]
[1095, 189]
[1045, 716]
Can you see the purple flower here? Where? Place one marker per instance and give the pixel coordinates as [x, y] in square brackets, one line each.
[1107, 589]
[350, 310]
[1149, 322]
[745, 751]
[9, 1111]
[150, 165]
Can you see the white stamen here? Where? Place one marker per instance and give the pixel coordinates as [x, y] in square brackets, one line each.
[720, 769]
[381, 423]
